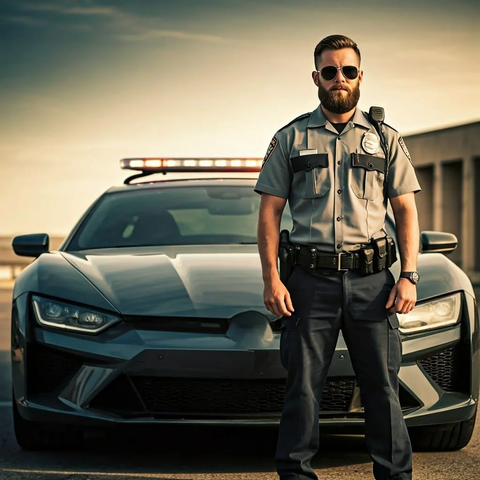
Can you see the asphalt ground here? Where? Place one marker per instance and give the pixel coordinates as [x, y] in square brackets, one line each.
[195, 453]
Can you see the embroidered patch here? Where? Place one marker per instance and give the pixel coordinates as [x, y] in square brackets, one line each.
[270, 149]
[404, 148]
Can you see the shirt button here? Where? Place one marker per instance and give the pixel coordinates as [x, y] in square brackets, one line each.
[339, 191]
[339, 245]
[339, 218]
[339, 162]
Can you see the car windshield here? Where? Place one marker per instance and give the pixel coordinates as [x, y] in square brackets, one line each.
[200, 215]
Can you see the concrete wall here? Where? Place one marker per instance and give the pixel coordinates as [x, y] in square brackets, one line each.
[448, 167]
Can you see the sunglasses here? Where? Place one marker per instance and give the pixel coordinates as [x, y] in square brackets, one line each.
[329, 73]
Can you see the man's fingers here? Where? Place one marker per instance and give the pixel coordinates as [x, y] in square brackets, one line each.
[400, 306]
[410, 307]
[278, 307]
[272, 307]
[282, 307]
[288, 302]
[391, 298]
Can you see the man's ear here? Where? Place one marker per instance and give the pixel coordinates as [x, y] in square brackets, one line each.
[315, 78]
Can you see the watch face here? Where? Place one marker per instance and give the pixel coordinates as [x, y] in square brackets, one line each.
[414, 277]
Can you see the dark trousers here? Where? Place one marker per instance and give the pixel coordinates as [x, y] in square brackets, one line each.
[325, 302]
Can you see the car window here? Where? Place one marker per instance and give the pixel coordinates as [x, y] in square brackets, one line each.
[201, 215]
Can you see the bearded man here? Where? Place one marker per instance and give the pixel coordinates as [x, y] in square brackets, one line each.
[338, 168]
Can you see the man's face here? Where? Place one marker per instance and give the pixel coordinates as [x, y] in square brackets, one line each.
[340, 94]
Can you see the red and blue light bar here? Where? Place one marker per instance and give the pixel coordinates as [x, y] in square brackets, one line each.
[165, 165]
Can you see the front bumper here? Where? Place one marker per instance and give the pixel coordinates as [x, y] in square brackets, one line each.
[131, 376]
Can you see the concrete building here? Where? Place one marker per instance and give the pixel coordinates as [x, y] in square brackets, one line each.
[447, 162]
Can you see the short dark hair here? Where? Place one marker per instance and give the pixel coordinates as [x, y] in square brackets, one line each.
[334, 42]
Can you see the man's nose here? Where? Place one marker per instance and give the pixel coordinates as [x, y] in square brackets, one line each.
[339, 76]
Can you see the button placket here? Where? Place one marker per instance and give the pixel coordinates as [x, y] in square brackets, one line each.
[338, 225]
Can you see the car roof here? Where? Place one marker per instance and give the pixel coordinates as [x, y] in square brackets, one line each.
[185, 182]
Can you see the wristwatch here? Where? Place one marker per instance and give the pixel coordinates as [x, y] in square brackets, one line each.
[414, 277]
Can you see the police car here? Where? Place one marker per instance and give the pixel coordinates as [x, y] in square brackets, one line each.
[151, 312]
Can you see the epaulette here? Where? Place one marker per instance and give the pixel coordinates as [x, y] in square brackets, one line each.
[301, 117]
[389, 126]
[365, 114]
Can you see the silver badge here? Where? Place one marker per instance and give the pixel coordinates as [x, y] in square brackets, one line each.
[370, 143]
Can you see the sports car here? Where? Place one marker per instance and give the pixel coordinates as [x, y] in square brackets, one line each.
[151, 312]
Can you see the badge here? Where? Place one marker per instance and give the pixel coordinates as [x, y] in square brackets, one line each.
[270, 150]
[405, 149]
[370, 143]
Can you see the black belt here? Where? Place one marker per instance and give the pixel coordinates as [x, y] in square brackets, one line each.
[310, 257]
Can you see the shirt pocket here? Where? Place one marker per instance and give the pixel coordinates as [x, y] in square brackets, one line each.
[312, 171]
[368, 176]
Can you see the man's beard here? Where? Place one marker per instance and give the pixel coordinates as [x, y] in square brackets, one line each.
[337, 102]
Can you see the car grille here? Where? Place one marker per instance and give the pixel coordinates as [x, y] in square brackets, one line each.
[179, 324]
[449, 369]
[48, 368]
[173, 396]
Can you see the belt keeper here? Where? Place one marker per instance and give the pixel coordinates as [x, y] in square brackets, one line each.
[313, 258]
[295, 254]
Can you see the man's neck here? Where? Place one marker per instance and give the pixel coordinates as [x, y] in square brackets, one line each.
[338, 117]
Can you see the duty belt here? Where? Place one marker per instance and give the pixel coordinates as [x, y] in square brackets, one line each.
[310, 257]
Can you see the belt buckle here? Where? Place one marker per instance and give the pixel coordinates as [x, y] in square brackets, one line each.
[339, 262]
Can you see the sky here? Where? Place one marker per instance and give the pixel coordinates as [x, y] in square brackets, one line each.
[84, 83]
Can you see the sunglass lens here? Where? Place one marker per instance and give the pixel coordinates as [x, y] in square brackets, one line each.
[350, 72]
[328, 73]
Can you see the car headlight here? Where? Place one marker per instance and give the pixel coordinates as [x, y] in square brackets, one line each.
[67, 316]
[439, 313]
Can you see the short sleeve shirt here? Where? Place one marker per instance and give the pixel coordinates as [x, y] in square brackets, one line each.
[334, 182]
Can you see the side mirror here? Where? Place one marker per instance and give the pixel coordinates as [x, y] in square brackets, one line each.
[438, 242]
[32, 245]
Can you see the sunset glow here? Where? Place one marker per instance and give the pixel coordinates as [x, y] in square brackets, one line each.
[86, 83]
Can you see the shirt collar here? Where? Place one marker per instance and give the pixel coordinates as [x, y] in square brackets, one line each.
[318, 119]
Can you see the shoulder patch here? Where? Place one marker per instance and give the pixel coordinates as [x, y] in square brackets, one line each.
[301, 117]
[405, 149]
[270, 149]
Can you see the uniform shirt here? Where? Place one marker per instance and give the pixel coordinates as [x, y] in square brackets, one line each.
[334, 182]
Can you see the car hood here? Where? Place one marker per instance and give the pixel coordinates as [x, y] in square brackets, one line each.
[214, 282]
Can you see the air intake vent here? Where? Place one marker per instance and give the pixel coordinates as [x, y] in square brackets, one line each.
[216, 396]
[48, 368]
[119, 396]
[448, 369]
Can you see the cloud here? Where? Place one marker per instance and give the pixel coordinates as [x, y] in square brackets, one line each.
[133, 27]
[23, 20]
[48, 7]
[156, 33]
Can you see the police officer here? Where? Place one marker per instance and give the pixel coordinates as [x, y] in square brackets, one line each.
[337, 176]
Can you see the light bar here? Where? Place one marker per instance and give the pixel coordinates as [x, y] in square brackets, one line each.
[163, 165]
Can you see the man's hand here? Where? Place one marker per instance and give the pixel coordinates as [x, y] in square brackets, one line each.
[277, 299]
[403, 297]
